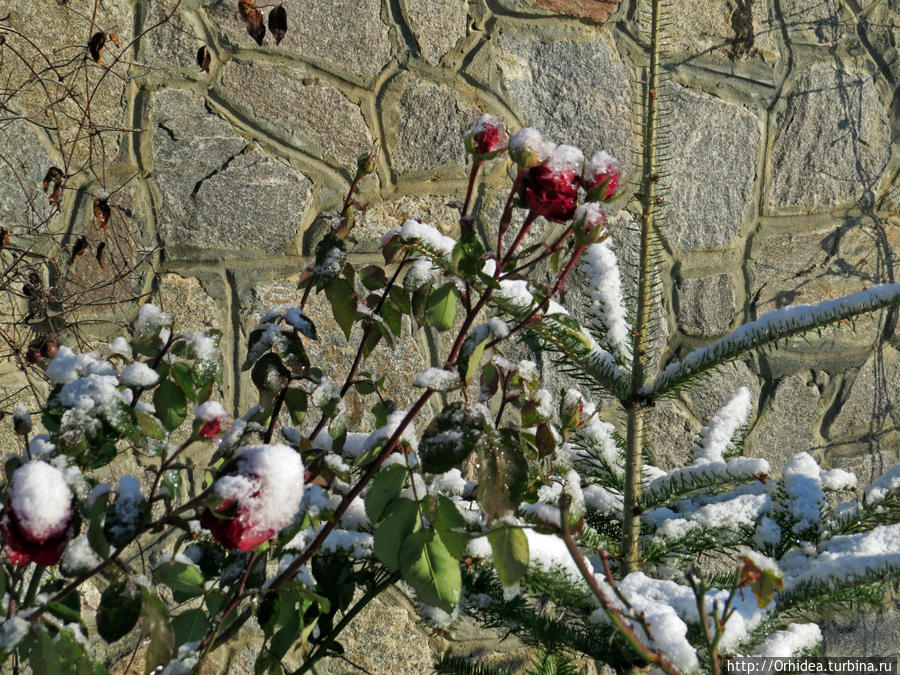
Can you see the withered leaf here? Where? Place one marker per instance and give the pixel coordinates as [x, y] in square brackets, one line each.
[245, 8]
[278, 23]
[256, 26]
[114, 38]
[101, 212]
[101, 249]
[4, 237]
[95, 46]
[53, 184]
[204, 58]
[80, 247]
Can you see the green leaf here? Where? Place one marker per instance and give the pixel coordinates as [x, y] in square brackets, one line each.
[385, 487]
[95, 517]
[451, 436]
[256, 347]
[470, 353]
[400, 298]
[44, 657]
[546, 441]
[182, 374]
[189, 626]
[155, 625]
[400, 520]
[419, 302]
[510, 548]
[342, 297]
[490, 382]
[502, 474]
[122, 419]
[125, 519]
[451, 527]
[373, 277]
[269, 373]
[149, 425]
[393, 318]
[532, 415]
[180, 577]
[441, 308]
[119, 611]
[170, 404]
[428, 567]
[296, 404]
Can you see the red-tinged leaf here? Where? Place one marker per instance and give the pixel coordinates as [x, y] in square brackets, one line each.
[53, 184]
[80, 247]
[278, 23]
[204, 58]
[114, 38]
[101, 251]
[256, 26]
[95, 46]
[4, 237]
[102, 213]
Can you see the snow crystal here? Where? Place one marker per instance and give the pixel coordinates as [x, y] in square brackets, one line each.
[499, 328]
[332, 263]
[565, 158]
[121, 347]
[203, 346]
[885, 484]
[12, 631]
[427, 234]
[716, 437]
[355, 517]
[607, 304]
[805, 498]
[97, 393]
[796, 638]
[601, 163]
[437, 617]
[767, 534]
[40, 446]
[738, 512]
[139, 375]
[420, 272]
[451, 483]
[603, 500]
[838, 479]
[41, 500]
[269, 486]
[67, 366]
[211, 410]
[150, 319]
[529, 139]
[79, 556]
[437, 379]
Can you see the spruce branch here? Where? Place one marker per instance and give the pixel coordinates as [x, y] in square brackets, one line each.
[771, 328]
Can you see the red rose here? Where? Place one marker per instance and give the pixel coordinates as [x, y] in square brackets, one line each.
[36, 523]
[603, 170]
[551, 189]
[211, 428]
[487, 137]
[261, 496]
[231, 526]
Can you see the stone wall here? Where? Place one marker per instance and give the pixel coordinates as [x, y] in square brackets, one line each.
[782, 170]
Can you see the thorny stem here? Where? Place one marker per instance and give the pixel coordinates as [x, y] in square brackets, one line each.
[614, 615]
[506, 218]
[471, 187]
[206, 643]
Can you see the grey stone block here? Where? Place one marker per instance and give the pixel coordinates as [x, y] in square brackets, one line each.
[713, 165]
[219, 192]
[706, 304]
[832, 140]
[437, 25]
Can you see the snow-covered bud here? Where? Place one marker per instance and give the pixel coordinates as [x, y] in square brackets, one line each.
[551, 189]
[601, 176]
[215, 419]
[21, 420]
[527, 148]
[261, 496]
[487, 137]
[571, 411]
[36, 524]
[366, 163]
[590, 223]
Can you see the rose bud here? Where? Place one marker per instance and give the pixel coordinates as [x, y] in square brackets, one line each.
[571, 410]
[261, 496]
[33, 354]
[366, 163]
[36, 523]
[601, 176]
[527, 148]
[486, 138]
[215, 419]
[590, 223]
[21, 420]
[49, 348]
[551, 189]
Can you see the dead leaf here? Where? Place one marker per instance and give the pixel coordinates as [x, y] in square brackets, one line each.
[95, 46]
[79, 248]
[54, 178]
[114, 38]
[101, 249]
[4, 237]
[245, 8]
[278, 23]
[256, 26]
[204, 58]
[102, 212]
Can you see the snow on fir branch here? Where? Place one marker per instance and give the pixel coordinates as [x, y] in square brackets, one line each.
[772, 327]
